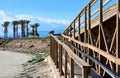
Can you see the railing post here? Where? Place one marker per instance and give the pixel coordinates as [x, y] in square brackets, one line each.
[60, 59]
[100, 33]
[118, 37]
[70, 32]
[53, 54]
[51, 46]
[56, 54]
[74, 28]
[79, 26]
[89, 31]
[65, 65]
[85, 72]
[85, 33]
[72, 68]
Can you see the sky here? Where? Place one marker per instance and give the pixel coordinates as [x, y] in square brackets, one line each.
[51, 14]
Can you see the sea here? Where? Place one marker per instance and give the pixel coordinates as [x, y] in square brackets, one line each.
[46, 33]
[41, 34]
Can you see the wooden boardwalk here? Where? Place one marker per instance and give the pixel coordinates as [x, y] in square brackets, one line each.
[89, 47]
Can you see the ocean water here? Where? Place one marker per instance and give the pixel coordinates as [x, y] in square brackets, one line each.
[41, 33]
[46, 33]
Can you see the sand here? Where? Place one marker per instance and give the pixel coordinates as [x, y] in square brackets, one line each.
[11, 63]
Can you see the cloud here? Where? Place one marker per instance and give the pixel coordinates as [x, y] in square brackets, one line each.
[47, 20]
[5, 16]
[29, 17]
[46, 24]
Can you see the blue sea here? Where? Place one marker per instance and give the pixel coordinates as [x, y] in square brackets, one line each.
[46, 33]
[41, 33]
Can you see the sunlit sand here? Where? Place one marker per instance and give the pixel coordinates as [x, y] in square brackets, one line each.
[11, 63]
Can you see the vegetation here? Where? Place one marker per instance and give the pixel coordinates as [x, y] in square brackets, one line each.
[15, 28]
[34, 29]
[24, 28]
[30, 66]
[27, 22]
[5, 25]
[51, 32]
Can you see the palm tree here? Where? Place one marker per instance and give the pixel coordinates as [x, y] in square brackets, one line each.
[36, 26]
[33, 29]
[27, 22]
[5, 25]
[22, 23]
[15, 28]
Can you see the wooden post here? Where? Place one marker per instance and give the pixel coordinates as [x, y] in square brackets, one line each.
[100, 24]
[60, 59]
[72, 68]
[51, 46]
[118, 37]
[56, 54]
[89, 29]
[74, 28]
[85, 72]
[79, 25]
[85, 33]
[65, 64]
[70, 31]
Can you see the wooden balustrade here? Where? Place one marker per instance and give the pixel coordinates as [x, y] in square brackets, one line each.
[56, 53]
[97, 42]
[94, 35]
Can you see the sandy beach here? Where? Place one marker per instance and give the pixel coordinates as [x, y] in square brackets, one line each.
[11, 63]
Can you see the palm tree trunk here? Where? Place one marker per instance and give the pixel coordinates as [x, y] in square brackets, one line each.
[36, 31]
[6, 31]
[22, 31]
[33, 31]
[14, 31]
[27, 30]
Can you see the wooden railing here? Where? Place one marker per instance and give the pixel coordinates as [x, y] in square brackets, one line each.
[95, 37]
[58, 51]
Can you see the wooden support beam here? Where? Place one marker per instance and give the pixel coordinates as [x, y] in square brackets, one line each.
[74, 28]
[97, 50]
[85, 19]
[85, 72]
[65, 65]
[79, 26]
[56, 54]
[85, 33]
[89, 28]
[100, 24]
[50, 46]
[72, 68]
[118, 36]
[52, 49]
[60, 59]
[70, 31]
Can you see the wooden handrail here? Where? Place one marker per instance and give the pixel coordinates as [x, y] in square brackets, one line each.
[92, 2]
[99, 37]
[81, 63]
[99, 51]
